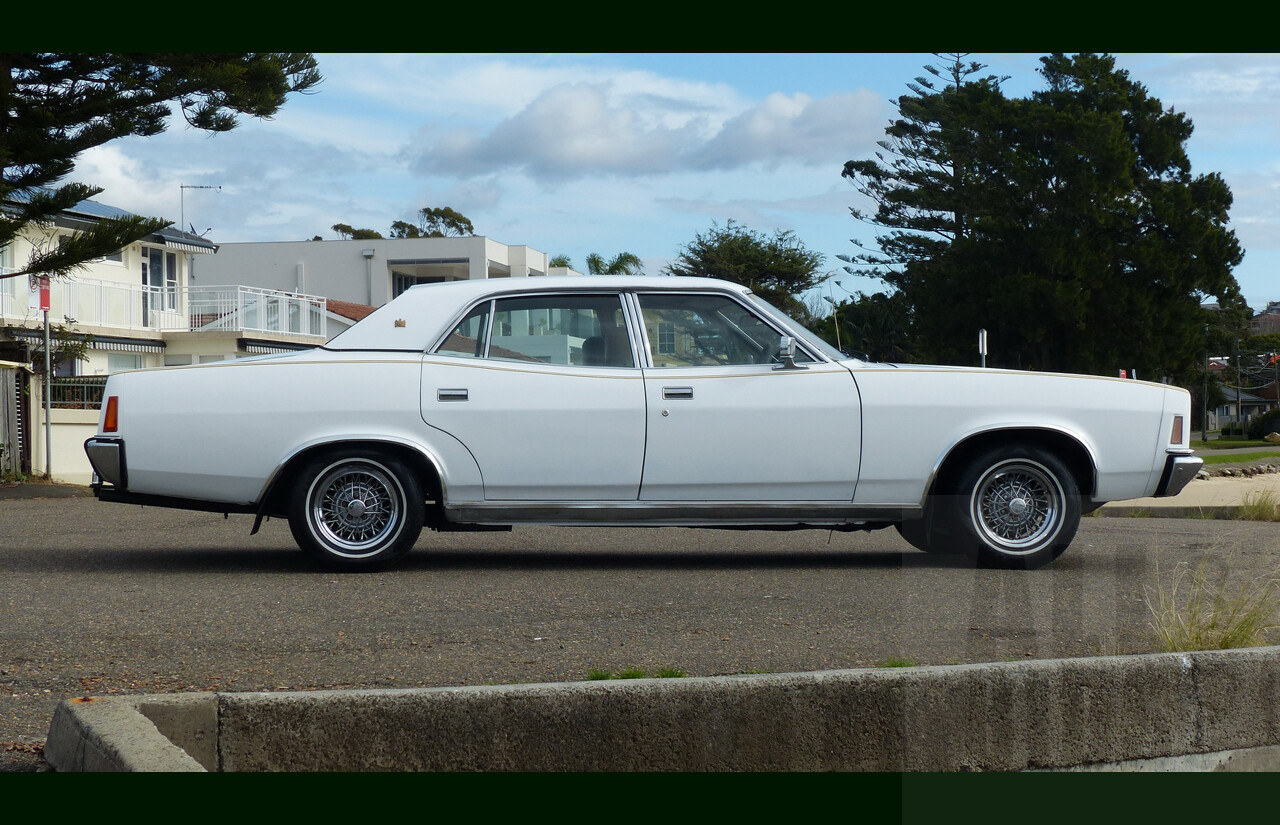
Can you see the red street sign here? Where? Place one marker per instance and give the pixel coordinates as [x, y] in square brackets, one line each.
[38, 297]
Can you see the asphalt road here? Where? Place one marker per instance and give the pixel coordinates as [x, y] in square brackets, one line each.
[100, 599]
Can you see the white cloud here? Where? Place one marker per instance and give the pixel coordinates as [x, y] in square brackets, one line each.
[798, 128]
[584, 129]
[569, 131]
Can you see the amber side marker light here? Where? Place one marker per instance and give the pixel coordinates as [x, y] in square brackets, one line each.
[1176, 436]
[110, 421]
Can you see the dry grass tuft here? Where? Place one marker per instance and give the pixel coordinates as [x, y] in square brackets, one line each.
[1259, 506]
[1194, 609]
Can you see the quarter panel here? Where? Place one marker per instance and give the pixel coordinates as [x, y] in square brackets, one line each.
[912, 417]
[218, 432]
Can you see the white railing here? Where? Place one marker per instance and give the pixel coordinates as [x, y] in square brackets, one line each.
[257, 310]
[126, 306]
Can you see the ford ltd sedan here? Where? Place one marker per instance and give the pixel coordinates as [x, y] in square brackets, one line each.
[629, 401]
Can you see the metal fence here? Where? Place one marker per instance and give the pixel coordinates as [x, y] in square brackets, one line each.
[82, 392]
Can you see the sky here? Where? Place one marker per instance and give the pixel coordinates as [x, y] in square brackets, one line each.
[574, 154]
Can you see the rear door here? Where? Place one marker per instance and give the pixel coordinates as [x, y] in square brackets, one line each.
[545, 392]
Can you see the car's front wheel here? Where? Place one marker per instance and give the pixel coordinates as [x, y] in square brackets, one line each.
[356, 510]
[1012, 507]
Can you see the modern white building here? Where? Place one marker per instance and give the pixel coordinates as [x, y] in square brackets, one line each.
[368, 272]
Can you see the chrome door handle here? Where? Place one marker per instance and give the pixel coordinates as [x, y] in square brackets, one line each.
[451, 395]
[677, 392]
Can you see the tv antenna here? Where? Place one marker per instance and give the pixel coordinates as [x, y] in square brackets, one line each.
[182, 206]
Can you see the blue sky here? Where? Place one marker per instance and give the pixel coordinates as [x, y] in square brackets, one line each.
[581, 153]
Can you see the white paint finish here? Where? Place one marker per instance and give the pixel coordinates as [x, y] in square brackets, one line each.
[543, 432]
[752, 433]
[217, 432]
[913, 415]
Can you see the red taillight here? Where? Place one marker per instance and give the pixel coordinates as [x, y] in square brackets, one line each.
[109, 421]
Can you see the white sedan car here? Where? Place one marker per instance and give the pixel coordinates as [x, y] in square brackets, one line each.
[632, 401]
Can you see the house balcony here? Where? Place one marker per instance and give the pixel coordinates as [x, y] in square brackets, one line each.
[129, 307]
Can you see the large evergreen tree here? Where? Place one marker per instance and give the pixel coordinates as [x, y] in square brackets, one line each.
[1068, 224]
[54, 106]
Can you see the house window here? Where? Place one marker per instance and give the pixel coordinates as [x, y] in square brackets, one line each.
[160, 276]
[121, 361]
[666, 338]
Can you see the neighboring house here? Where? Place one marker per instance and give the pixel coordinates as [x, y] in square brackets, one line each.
[135, 308]
[1268, 320]
[1249, 406]
[139, 307]
[369, 272]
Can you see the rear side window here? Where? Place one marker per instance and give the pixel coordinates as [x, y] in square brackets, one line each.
[567, 330]
[468, 337]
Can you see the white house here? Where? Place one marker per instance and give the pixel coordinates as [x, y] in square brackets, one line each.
[175, 298]
[369, 272]
[137, 307]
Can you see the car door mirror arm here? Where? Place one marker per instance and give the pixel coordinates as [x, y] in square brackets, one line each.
[787, 354]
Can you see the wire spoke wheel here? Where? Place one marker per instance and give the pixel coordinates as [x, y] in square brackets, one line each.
[356, 509]
[1017, 506]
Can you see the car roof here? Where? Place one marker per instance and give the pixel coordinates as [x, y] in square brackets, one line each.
[415, 318]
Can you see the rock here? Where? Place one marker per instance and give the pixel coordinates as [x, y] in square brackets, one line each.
[1273, 438]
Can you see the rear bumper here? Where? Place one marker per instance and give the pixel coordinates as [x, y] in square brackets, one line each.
[106, 456]
[111, 482]
[1178, 472]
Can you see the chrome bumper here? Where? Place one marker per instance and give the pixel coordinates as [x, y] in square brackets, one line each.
[106, 456]
[1178, 472]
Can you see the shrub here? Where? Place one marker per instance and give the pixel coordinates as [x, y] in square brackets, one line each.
[1268, 422]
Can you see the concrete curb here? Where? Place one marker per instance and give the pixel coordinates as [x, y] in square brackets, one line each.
[1212, 710]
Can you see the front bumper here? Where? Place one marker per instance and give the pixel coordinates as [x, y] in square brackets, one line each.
[1178, 471]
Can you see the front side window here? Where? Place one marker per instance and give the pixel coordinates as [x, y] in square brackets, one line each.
[687, 330]
[569, 330]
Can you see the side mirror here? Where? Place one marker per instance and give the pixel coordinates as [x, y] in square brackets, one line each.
[787, 354]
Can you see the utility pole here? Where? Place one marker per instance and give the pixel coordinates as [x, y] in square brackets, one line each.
[1204, 397]
[1239, 412]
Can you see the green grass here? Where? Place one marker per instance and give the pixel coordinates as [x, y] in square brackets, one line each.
[1194, 608]
[1239, 458]
[597, 675]
[896, 662]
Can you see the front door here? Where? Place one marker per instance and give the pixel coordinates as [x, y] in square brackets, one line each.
[725, 425]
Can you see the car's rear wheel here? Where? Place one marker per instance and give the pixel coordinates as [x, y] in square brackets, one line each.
[356, 510]
[1011, 507]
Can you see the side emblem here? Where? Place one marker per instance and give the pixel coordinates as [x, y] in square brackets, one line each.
[399, 322]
